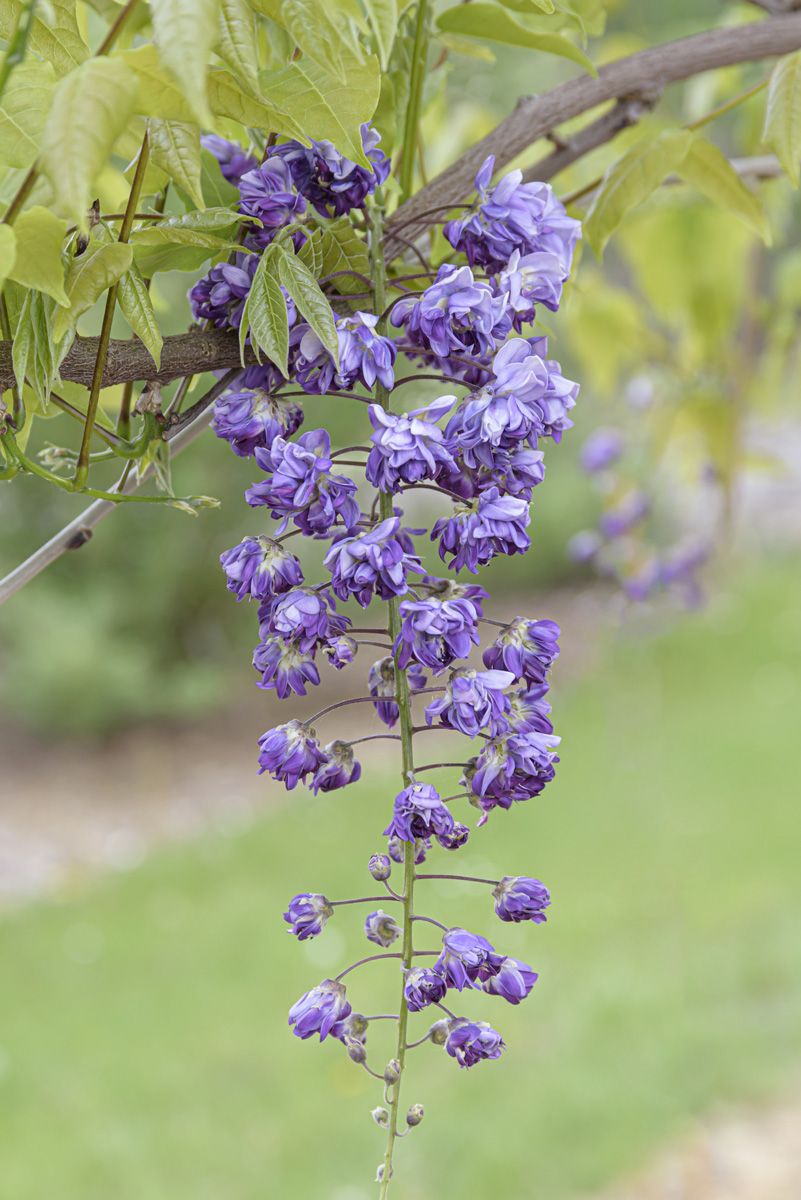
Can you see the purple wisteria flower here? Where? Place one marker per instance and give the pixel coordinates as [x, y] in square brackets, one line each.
[442, 627]
[302, 615]
[463, 955]
[219, 297]
[268, 193]
[471, 1041]
[307, 914]
[513, 980]
[260, 567]
[319, 1010]
[381, 685]
[529, 709]
[456, 838]
[624, 515]
[381, 928]
[512, 768]
[247, 418]
[341, 651]
[372, 563]
[339, 769]
[513, 215]
[456, 314]
[524, 377]
[290, 753]
[529, 280]
[284, 667]
[601, 450]
[418, 812]
[481, 528]
[473, 701]
[520, 898]
[234, 161]
[423, 986]
[408, 447]
[301, 486]
[364, 356]
[330, 182]
[526, 648]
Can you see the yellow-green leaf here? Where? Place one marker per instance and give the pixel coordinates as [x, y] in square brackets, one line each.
[137, 308]
[325, 107]
[631, 180]
[185, 32]
[8, 251]
[383, 18]
[706, 167]
[237, 44]
[492, 22]
[227, 99]
[175, 148]
[23, 111]
[309, 299]
[319, 35]
[343, 250]
[91, 107]
[88, 277]
[40, 245]
[157, 95]
[265, 314]
[782, 130]
[54, 36]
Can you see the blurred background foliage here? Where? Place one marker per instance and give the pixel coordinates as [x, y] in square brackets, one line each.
[687, 304]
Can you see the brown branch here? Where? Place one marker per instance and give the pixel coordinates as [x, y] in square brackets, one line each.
[536, 116]
[625, 113]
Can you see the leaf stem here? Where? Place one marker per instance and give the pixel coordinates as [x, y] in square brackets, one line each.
[419, 57]
[82, 466]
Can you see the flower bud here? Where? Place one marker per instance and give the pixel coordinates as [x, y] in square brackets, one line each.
[415, 1115]
[438, 1033]
[392, 1072]
[380, 867]
[379, 1175]
[355, 1049]
[380, 1116]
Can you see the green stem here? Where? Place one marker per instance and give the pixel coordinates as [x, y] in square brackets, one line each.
[419, 59]
[405, 729]
[82, 467]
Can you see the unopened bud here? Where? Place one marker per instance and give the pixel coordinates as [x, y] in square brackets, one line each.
[379, 1175]
[355, 1049]
[392, 1073]
[415, 1115]
[380, 867]
[438, 1033]
[380, 1116]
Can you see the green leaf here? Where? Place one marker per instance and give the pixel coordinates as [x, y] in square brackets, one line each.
[185, 32]
[175, 148]
[23, 111]
[311, 252]
[157, 94]
[229, 100]
[54, 36]
[40, 247]
[265, 314]
[782, 131]
[91, 107]
[325, 107]
[631, 180]
[213, 228]
[8, 252]
[237, 44]
[318, 35]
[88, 277]
[309, 299]
[37, 353]
[343, 250]
[491, 22]
[382, 16]
[706, 167]
[137, 308]
[217, 191]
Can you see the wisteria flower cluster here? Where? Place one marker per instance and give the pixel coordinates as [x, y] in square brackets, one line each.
[480, 447]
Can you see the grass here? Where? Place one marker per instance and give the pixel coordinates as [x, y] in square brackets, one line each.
[142, 1023]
